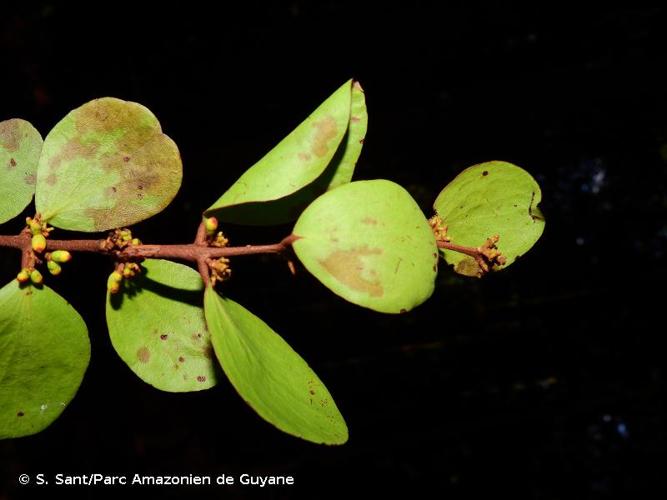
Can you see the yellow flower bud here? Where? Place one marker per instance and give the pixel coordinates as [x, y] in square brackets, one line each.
[61, 256]
[54, 267]
[36, 277]
[35, 227]
[38, 243]
[23, 276]
[210, 224]
[114, 281]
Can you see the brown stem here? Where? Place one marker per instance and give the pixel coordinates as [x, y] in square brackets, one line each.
[487, 256]
[204, 271]
[200, 239]
[475, 253]
[472, 252]
[195, 252]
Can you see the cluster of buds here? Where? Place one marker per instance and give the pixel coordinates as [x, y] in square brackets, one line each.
[40, 231]
[55, 258]
[491, 254]
[220, 270]
[120, 239]
[215, 238]
[439, 228]
[30, 275]
[123, 271]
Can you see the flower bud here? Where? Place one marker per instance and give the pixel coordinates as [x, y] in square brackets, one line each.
[54, 267]
[23, 276]
[35, 227]
[36, 277]
[210, 224]
[61, 256]
[114, 281]
[38, 243]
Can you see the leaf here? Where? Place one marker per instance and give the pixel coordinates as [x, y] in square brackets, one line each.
[20, 147]
[356, 134]
[319, 154]
[105, 165]
[273, 379]
[369, 242]
[157, 327]
[44, 352]
[493, 198]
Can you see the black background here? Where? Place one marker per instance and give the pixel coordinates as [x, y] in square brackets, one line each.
[544, 381]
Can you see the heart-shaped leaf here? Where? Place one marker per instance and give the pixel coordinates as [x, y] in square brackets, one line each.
[105, 165]
[319, 154]
[20, 147]
[369, 242]
[44, 352]
[273, 379]
[157, 327]
[489, 199]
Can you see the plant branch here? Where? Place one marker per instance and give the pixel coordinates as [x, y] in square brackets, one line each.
[471, 251]
[194, 252]
[485, 256]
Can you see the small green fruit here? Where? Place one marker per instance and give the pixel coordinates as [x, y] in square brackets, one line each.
[36, 277]
[54, 267]
[61, 256]
[38, 243]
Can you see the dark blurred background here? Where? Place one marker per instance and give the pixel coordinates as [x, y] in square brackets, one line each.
[544, 381]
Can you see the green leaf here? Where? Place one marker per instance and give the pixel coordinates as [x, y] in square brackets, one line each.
[349, 151]
[319, 154]
[157, 327]
[44, 352]
[493, 198]
[369, 242]
[273, 379]
[20, 147]
[105, 165]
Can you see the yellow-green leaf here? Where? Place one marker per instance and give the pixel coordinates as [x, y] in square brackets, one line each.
[107, 164]
[44, 352]
[369, 242]
[489, 199]
[266, 372]
[321, 153]
[156, 324]
[20, 147]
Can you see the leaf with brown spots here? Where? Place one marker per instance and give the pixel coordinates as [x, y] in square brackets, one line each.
[107, 164]
[266, 372]
[369, 242]
[485, 200]
[44, 353]
[20, 147]
[157, 327]
[321, 153]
